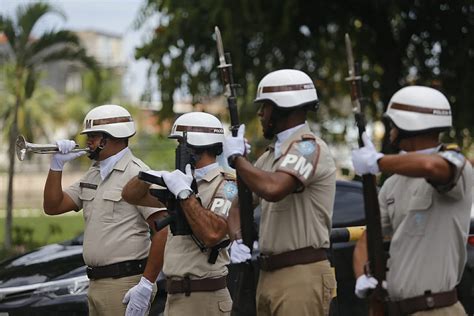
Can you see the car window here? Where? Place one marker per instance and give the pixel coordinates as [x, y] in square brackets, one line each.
[348, 205]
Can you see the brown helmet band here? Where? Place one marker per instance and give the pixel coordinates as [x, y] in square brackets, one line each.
[292, 87]
[199, 129]
[419, 109]
[107, 121]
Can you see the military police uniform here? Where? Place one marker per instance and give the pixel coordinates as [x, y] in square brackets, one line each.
[195, 286]
[429, 225]
[116, 235]
[296, 277]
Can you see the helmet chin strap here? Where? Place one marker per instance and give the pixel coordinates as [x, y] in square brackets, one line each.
[195, 157]
[94, 155]
[274, 117]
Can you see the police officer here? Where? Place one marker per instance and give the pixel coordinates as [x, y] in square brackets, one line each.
[116, 236]
[195, 285]
[425, 206]
[295, 183]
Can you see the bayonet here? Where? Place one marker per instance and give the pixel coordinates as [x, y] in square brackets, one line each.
[220, 49]
[353, 78]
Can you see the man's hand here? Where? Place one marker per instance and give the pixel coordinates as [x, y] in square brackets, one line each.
[177, 181]
[365, 283]
[365, 159]
[239, 252]
[64, 154]
[235, 146]
[138, 298]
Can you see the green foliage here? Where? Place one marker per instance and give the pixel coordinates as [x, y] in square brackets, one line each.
[102, 89]
[398, 43]
[158, 152]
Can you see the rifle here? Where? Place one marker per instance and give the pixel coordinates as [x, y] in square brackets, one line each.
[249, 234]
[376, 253]
[176, 219]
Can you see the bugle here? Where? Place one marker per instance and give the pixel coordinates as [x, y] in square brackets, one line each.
[23, 147]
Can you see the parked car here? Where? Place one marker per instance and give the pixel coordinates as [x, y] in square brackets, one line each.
[52, 280]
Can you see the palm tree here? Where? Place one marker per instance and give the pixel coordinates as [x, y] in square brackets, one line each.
[27, 54]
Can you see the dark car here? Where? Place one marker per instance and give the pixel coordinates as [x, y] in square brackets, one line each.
[52, 280]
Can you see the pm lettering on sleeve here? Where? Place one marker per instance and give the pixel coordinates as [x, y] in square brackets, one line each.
[221, 206]
[298, 164]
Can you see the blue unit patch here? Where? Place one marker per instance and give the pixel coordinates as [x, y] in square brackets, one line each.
[306, 147]
[419, 219]
[230, 190]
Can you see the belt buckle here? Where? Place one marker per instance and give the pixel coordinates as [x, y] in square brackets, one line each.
[187, 286]
[89, 272]
[429, 300]
[263, 262]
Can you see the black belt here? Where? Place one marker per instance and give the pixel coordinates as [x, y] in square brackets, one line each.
[201, 285]
[291, 258]
[117, 270]
[424, 302]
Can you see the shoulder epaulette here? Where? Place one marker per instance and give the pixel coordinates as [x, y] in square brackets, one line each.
[229, 176]
[307, 136]
[452, 147]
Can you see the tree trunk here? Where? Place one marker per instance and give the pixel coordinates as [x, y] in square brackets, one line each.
[11, 166]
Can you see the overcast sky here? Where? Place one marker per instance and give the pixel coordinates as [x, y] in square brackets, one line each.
[115, 16]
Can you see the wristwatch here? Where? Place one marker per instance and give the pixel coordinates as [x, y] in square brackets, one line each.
[231, 160]
[184, 194]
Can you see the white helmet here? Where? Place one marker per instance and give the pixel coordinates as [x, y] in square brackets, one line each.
[110, 119]
[419, 109]
[202, 129]
[287, 88]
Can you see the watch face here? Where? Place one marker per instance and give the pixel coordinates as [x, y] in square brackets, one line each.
[183, 195]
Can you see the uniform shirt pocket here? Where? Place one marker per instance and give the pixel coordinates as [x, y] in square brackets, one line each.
[111, 207]
[417, 216]
[87, 197]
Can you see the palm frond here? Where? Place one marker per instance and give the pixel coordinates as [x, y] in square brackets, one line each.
[28, 16]
[7, 27]
[48, 40]
[72, 54]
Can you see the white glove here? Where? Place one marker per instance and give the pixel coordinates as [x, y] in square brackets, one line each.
[235, 145]
[239, 252]
[365, 159]
[177, 181]
[64, 154]
[365, 283]
[248, 147]
[138, 298]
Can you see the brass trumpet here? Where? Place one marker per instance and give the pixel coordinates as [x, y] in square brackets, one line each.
[23, 147]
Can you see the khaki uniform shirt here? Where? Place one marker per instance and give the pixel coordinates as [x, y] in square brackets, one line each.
[302, 218]
[115, 230]
[429, 227]
[182, 256]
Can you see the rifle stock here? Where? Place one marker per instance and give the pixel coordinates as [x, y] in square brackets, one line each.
[376, 253]
[244, 194]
